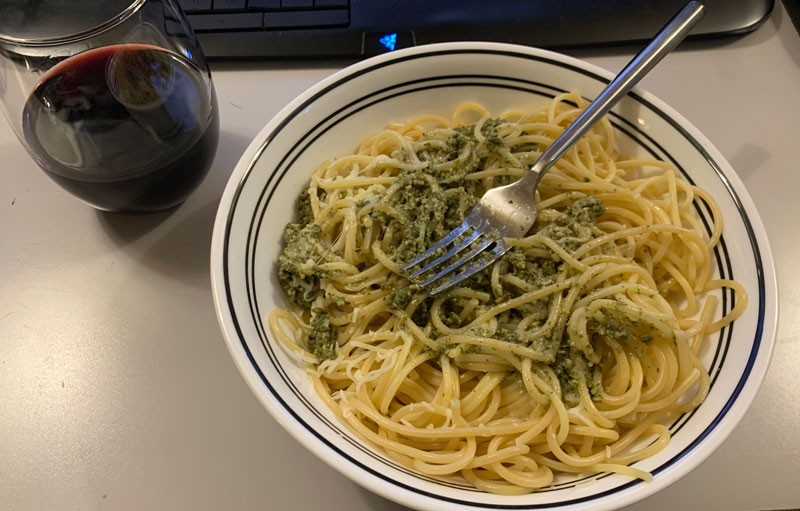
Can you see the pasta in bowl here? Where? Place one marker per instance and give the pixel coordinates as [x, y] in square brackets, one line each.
[596, 355]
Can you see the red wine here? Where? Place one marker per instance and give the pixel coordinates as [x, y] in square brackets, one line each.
[125, 128]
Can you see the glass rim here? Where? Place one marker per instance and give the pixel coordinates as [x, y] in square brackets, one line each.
[115, 20]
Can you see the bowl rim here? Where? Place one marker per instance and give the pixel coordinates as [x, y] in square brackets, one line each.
[699, 449]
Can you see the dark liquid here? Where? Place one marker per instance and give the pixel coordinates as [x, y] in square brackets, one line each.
[124, 127]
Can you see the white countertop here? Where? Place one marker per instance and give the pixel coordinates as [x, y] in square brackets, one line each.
[117, 391]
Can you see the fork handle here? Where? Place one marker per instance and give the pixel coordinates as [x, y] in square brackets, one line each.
[668, 38]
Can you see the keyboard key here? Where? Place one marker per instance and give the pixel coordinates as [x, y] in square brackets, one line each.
[214, 22]
[196, 5]
[264, 4]
[228, 5]
[291, 19]
[330, 3]
[297, 4]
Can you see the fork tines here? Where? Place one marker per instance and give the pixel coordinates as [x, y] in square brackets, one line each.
[434, 265]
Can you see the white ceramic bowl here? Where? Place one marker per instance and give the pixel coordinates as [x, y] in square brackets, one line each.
[332, 117]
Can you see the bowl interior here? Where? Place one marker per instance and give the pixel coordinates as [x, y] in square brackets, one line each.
[331, 119]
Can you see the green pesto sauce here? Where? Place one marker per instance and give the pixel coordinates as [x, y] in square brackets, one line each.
[435, 199]
[339, 300]
[571, 367]
[576, 226]
[398, 298]
[615, 325]
[298, 270]
[321, 339]
[432, 200]
[303, 206]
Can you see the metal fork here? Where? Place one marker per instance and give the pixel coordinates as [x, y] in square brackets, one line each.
[509, 211]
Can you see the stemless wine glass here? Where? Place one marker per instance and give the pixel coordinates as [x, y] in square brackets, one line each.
[112, 98]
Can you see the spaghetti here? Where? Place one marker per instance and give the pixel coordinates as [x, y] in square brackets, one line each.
[567, 355]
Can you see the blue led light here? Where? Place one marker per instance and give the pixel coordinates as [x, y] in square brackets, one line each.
[389, 40]
[187, 53]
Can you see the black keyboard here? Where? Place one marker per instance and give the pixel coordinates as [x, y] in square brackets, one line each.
[241, 15]
[360, 28]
